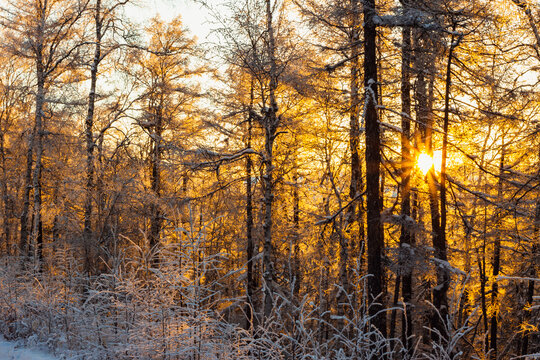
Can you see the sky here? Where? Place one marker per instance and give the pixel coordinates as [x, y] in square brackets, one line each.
[194, 17]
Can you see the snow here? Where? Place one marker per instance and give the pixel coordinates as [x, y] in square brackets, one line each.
[14, 351]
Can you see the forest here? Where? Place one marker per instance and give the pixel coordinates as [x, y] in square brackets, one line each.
[315, 179]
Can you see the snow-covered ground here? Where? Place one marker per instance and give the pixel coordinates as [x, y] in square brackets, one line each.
[13, 351]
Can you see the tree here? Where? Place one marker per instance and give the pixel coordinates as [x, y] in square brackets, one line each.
[163, 71]
[13, 106]
[105, 23]
[50, 30]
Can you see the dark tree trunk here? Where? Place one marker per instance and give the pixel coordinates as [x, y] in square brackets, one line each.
[443, 275]
[530, 288]
[100, 193]
[23, 240]
[375, 237]
[535, 251]
[297, 278]
[463, 311]
[406, 237]
[393, 316]
[350, 239]
[483, 302]
[424, 94]
[496, 264]
[4, 192]
[37, 228]
[155, 180]
[440, 301]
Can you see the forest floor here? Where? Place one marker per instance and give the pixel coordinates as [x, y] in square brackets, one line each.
[12, 350]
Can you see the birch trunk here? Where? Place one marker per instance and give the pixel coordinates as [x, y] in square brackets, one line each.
[270, 127]
[89, 139]
[250, 246]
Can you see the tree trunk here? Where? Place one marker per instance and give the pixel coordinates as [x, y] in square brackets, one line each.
[483, 281]
[297, 278]
[270, 126]
[23, 241]
[530, 289]
[89, 138]
[155, 179]
[443, 275]
[424, 93]
[406, 237]
[496, 264]
[5, 194]
[393, 316]
[375, 237]
[100, 193]
[250, 246]
[37, 233]
[268, 273]
[532, 273]
[350, 239]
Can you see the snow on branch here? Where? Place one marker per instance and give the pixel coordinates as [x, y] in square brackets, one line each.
[220, 159]
[412, 18]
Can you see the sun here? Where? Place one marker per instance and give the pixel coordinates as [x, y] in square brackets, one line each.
[426, 162]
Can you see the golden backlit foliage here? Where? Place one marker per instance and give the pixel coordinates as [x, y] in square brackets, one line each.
[178, 266]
